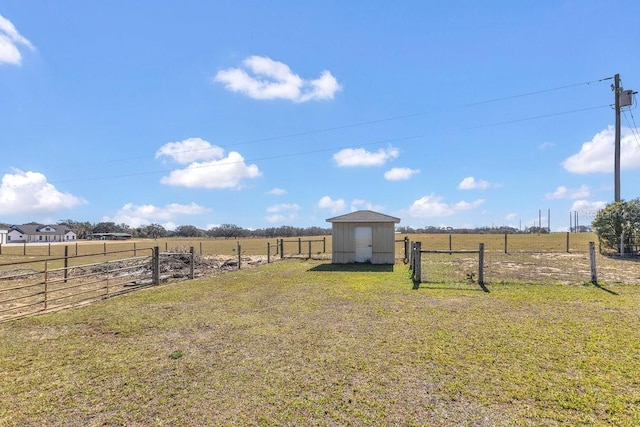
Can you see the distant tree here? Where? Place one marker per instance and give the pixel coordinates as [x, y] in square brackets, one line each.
[189, 231]
[151, 231]
[618, 220]
[82, 229]
[227, 231]
[107, 227]
[537, 230]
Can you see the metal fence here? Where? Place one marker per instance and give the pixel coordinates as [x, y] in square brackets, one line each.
[543, 267]
[37, 286]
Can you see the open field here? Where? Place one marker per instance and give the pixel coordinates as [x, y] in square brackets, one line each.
[554, 242]
[307, 343]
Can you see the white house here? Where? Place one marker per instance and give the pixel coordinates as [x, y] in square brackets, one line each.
[3, 236]
[36, 233]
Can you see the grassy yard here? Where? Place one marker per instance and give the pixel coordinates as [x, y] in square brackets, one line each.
[302, 343]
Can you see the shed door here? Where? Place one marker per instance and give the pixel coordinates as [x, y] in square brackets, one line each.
[364, 243]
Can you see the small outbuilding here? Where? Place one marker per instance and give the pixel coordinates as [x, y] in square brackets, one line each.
[363, 236]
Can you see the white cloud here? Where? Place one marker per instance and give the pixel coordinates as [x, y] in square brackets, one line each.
[597, 155]
[470, 183]
[284, 207]
[282, 212]
[275, 218]
[510, 216]
[10, 38]
[271, 79]
[433, 207]
[190, 150]
[399, 174]
[546, 145]
[585, 205]
[277, 192]
[334, 206]
[170, 225]
[360, 204]
[214, 171]
[139, 215]
[563, 192]
[362, 157]
[30, 193]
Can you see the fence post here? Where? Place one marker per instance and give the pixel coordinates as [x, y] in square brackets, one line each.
[567, 242]
[239, 256]
[135, 250]
[24, 249]
[324, 244]
[481, 264]
[506, 243]
[299, 245]
[66, 262]
[49, 249]
[592, 259]
[0, 248]
[268, 252]
[450, 247]
[155, 263]
[411, 258]
[407, 248]
[76, 248]
[309, 249]
[201, 248]
[417, 265]
[281, 248]
[104, 250]
[191, 262]
[166, 246]
[46, 280]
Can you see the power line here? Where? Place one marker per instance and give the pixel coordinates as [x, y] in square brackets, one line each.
[280, 156]
[634, 127]
[390, 119]
[538, 117]
[537, 92]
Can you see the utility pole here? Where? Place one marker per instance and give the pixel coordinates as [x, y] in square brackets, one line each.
[616, 161]
[623, 98]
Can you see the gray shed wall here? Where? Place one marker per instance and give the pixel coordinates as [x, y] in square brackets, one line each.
[383, 242]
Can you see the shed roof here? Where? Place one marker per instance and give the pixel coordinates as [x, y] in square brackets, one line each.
[364, 216]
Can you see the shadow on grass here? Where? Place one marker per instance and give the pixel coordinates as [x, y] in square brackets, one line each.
[425, 285]
[597, 285]
[355, 267]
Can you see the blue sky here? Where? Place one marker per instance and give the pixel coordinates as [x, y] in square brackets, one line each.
[262, 114]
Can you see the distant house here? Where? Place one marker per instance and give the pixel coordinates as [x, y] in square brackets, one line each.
[363, 236]
[3, 236]
[36, 233]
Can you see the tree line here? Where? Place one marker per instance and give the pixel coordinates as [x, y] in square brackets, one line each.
[154, 231]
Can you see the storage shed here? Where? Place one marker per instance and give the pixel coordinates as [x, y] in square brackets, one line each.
[363, 236]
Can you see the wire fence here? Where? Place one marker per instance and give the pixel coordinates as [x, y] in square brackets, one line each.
[466, 267]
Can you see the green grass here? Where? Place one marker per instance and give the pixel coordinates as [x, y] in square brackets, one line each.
[301, 343]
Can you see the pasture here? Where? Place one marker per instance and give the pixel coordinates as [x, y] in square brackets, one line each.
[554, 242]
[306, 343]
